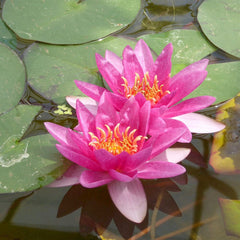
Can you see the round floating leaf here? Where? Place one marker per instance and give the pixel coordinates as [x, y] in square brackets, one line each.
[231, 216]
[219, 20]
[28, 164]
[6, 36]
[68, 21]
[225, 149]
[189, 46]
[221, 82]
[12, 78]
[52, 69]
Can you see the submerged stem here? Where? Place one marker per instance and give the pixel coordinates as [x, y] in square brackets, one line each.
[154, 215]
[181, 230]
[13, 208]
[163, 220]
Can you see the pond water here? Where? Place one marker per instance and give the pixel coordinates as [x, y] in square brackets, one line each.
[185, 207]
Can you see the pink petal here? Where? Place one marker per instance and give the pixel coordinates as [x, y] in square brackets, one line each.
[131, 66]
[72, 101]
[58, 132]
[109, 73]
[156, 124]
[78, 143]
[78, 158]
[92, 179]
[106, 159]
[196, 66]
[174, 155]
[117, 100]
[164, 101]
[145, 118]
[69, 178]
[65, 136]
[121, 160]
[129, 114]
[137, 159]
[85, 120]
[91, 90]
[199, 123]
[130, 199]
[163, 65]
[166, 140]
[115, 60]
[106, 114]
[190, 105]
[160, 169]
[144, 56]
[122, 177]
[187, 80]
[173, 123]
[140, 99]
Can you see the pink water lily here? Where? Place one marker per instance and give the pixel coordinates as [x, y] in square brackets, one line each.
[114, 147]
[136, 74]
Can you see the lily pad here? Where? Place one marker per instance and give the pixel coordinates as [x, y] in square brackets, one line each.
[221, 82]
[12, 78]
[189, 46]
[28, 164]
[68, 21]
[231, 216]
[52, 69]
[219, 20]
[225, 149]
[7, 36]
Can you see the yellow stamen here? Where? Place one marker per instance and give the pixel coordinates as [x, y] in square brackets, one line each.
[116, 142]
[152, 93]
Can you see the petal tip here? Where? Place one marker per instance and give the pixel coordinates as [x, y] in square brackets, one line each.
[130, 199]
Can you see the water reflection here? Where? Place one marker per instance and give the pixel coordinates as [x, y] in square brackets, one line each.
[185, 207]
[97, 209]
[163, 15]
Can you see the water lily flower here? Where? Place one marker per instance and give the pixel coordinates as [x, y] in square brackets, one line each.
[136, 74]
[114, 147]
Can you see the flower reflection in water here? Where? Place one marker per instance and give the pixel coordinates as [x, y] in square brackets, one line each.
[98, 210]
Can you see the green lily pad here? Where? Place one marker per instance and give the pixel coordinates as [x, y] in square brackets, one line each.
[12, 78]
[225, 149]
[219, 20]
[7, 36]
[28, 164]
[189, 46]
[52, 69]
[221, 82]
[68, 21]
[231, 216]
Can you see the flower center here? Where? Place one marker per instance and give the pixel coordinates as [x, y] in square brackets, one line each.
[152, 93]
[116, 142]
